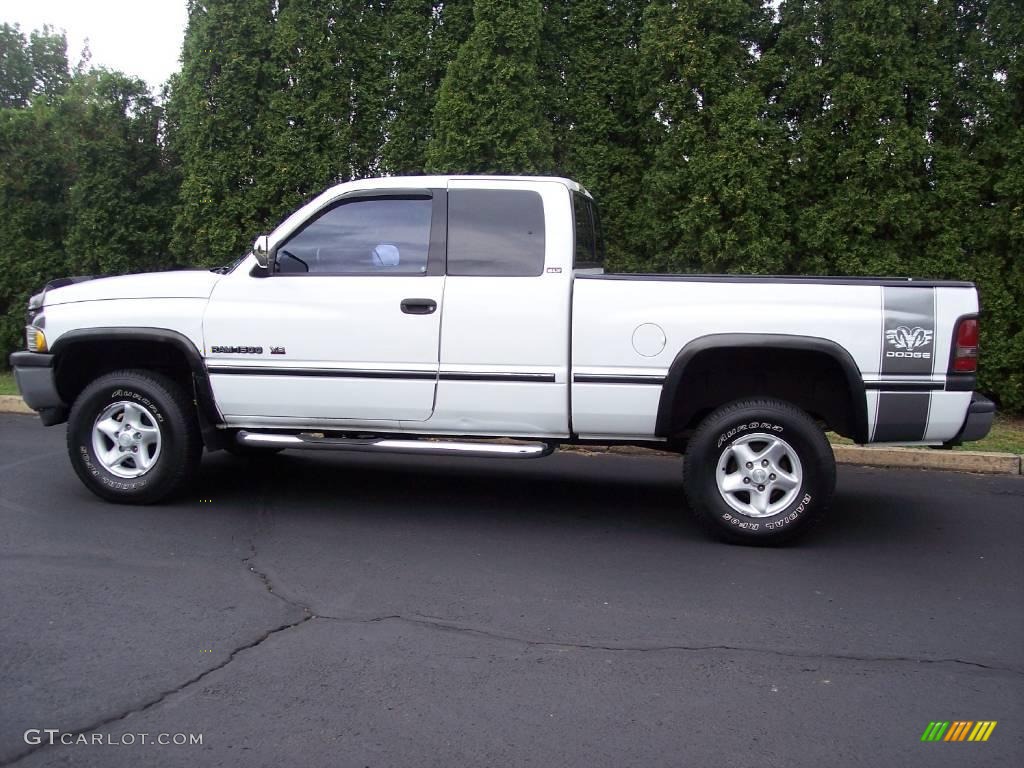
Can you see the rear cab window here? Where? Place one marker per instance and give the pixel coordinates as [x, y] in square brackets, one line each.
[495, 233]
[588, 252]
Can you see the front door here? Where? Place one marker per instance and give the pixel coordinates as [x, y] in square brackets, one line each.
[346, 324]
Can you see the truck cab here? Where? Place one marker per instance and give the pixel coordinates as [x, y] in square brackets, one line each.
[405, 308]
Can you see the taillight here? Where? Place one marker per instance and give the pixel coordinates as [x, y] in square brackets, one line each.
[965, 351]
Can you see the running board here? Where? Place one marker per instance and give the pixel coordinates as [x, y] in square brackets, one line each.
[391, 445]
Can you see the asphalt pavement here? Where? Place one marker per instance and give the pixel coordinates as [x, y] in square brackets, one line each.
[345, 610]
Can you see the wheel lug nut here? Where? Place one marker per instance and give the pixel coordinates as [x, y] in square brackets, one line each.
[746, 480]
[771, 477]
[764, 462]
[749, 465]
[760, 487]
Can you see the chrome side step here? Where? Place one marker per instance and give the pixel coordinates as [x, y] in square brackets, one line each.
[310, 441]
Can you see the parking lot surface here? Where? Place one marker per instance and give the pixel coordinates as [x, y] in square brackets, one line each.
[346, 610]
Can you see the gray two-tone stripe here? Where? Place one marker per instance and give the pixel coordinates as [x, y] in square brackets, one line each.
[907, 350]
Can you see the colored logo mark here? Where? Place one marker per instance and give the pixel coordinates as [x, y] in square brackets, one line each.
[959, 730]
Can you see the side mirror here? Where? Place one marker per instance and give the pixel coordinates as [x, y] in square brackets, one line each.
[261, 250]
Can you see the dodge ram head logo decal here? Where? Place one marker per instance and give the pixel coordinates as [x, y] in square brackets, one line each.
[908, 340]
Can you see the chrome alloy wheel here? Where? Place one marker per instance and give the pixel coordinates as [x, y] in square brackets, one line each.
[759, 475]
[126, 439]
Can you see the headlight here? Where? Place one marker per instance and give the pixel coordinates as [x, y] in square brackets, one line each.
[35, 339]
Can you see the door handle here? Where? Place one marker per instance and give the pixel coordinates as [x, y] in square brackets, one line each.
[419, 306]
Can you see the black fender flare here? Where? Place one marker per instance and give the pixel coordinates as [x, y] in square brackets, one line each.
[209, 416]
[677, 371]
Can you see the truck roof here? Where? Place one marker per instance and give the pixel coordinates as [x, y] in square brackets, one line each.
[435, 180]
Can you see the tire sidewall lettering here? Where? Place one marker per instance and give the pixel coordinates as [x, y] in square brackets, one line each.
[748, 426]
[146, 402]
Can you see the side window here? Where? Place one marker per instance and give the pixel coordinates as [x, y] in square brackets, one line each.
[495, 232]
[589, 251]
[381, 236]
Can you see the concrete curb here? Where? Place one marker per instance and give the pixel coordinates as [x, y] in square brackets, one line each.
[982, 462]
[13, 404]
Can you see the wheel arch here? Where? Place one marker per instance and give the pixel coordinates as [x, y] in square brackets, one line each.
[675, 409]
[171, 348]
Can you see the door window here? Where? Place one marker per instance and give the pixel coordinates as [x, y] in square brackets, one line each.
[384, 236]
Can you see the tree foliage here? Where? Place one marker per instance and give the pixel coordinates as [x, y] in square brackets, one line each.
[85, 183]
[219, 108]
[489, 116]
[31, 66]
[423, 38]
[713, 194]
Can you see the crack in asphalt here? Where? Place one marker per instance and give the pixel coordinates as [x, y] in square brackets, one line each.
[164, 695]
[267, 583]
[438, 623]
[263, 514]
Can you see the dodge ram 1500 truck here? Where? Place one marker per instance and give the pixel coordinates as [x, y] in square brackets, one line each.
[444, 315]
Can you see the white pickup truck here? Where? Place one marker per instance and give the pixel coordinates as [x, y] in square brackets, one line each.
[445, 315]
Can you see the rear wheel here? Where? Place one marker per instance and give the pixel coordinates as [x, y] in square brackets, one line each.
[133, 437]
[759, 472]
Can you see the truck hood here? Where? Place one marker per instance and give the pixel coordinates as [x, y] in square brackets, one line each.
[185, 284]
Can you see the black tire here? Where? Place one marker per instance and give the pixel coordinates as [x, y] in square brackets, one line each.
[166, 406]
[736, 428]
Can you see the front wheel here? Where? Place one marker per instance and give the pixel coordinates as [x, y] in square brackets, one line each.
[133, 437]
[759, 472]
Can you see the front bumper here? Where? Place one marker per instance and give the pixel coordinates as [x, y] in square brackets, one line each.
[35, 376]
[980, 414]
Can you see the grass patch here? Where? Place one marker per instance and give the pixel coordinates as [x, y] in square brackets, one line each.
[7, 385]
[1007, 436]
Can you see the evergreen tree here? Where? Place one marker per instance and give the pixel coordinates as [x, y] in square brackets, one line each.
[34, 172]
[48, 51]
[856, 92]
[16, 76]
[218, 107]
[489, 115]
[310, 112]
[988, 115]
[593, 97]
[424, 37]
[33, 211]
[122, 191]
[712, 197]
[31, 66]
